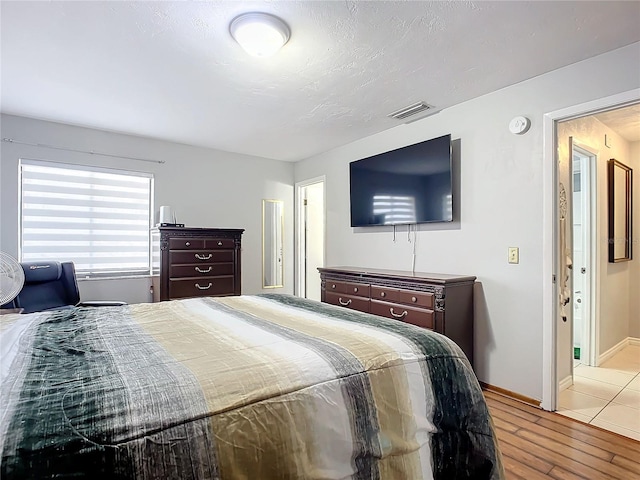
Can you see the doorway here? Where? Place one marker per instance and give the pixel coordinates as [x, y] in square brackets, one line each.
[597, 362]
[310, 236]
[557, 332]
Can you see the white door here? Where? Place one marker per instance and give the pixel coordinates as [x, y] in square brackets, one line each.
[310, 237]
[583, 210]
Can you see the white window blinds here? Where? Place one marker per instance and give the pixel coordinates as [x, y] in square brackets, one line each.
[97, 218]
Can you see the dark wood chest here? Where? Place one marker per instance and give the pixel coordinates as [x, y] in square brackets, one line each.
[195, 262]
[443, 303]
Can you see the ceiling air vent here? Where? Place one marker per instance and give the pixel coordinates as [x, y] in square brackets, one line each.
[411, 110]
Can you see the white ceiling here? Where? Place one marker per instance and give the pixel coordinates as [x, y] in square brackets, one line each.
[624, 121]
[170, 70]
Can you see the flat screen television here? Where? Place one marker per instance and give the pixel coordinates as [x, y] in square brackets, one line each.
[408, 185]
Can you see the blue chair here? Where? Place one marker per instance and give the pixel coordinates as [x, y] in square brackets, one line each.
[51, 286]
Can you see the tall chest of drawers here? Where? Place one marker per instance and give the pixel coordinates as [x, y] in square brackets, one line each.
[195, 262]
[443, 303]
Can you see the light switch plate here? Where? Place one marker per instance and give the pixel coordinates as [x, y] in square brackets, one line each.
[514, 255]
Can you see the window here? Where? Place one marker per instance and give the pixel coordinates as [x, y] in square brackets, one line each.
[95, 217]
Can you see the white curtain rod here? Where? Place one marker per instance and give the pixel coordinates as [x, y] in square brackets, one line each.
[90, 152]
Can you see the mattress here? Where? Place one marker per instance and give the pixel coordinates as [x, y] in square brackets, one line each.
[249, 387]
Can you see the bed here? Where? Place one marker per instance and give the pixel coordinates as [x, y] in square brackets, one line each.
[249, 387]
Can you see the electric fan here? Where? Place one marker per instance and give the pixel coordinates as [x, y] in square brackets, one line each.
[11, 278]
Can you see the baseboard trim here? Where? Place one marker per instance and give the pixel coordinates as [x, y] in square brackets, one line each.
[616, 348]
[508, 393]
[565, 383]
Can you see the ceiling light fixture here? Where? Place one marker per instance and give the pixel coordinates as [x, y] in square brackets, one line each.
[259, 34]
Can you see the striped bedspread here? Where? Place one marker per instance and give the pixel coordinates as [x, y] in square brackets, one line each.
[251, 387]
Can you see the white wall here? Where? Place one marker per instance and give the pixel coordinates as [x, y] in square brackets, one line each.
[501, 196]
[205, 187]
[634, 305]
[615, 280]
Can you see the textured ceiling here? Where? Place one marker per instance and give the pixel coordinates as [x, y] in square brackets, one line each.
[624, 121]
[170, 70]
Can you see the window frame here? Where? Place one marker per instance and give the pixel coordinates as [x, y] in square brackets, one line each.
[83, 274]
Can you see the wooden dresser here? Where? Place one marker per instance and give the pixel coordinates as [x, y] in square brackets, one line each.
[443, 303]
[195, 262]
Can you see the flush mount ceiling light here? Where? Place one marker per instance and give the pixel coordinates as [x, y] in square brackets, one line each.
[260, 34]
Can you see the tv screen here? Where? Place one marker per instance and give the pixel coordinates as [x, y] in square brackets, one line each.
[408, 185]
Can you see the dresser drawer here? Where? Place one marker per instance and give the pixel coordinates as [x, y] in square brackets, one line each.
[357, 289]
[203, 270]
[420, 299]
[186, 244]
[384, 294]
[350, 288]
[201, 287]
[200, 243]
[336, 287]
[217, 243]
[356, 303]
[417, 316]
[201, 256]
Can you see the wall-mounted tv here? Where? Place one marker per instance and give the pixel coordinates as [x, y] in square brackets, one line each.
[408, 185]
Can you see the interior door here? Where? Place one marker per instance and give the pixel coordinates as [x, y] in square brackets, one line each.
[310, 236]
[582, 253]
[314, 238]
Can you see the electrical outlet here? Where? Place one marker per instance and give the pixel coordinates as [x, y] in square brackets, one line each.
[514, 255]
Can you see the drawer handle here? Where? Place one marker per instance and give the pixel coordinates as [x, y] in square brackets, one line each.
[355, 289]
[398, 315]
[200, 287]
[344, 304]
[203, 257]
[383, 294]
[188, 244]
[198, 269]
[333, 286]
[414, 299]
[219, 244]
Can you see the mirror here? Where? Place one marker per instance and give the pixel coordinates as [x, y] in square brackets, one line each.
[619, 193]
[272, 239]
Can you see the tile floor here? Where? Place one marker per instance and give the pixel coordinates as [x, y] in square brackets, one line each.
[607, 396]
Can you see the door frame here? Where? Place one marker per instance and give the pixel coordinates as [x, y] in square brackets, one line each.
[300, 279]
[550, 231]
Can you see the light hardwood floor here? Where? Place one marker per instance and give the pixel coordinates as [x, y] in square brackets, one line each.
[536, 444]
